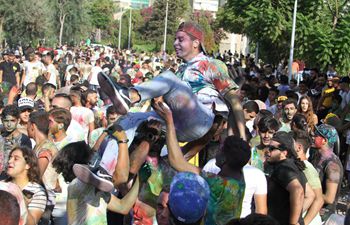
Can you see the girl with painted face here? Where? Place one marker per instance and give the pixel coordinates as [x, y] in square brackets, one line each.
[12, 136]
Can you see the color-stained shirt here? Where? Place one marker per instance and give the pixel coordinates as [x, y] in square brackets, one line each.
[48, 150]
[86, 205]
[226, 199]
[201, 72]
[257, 158]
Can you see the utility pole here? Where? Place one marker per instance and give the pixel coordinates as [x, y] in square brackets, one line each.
[166, 25]
[129, 41]
[120, 28]
[292, 41]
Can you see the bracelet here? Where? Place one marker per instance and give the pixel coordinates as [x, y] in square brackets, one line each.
[123, 141]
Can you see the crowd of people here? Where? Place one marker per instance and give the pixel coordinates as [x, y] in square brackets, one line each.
[94, 135]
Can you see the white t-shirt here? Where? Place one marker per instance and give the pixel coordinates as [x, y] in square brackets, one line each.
[32, 71]
[83, 116]
[75, 131]
[255, 184]
[54, 73]
[94, 72]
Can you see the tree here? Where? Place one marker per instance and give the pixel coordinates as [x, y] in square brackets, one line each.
[28, 21]
[154, 28]
[73, 19]
[101, 12]
[322, 35]
[213, 33]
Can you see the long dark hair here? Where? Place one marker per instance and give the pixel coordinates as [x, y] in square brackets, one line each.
[31, 159]
[76, 152]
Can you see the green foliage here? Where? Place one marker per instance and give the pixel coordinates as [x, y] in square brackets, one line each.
[101, 12]
[322, 30]
[154, 28]
[28, 21]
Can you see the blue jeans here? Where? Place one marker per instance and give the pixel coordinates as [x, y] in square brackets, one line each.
[192, 119]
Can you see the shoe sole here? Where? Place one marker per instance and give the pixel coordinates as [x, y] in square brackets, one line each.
[108, 88]
[86, 176]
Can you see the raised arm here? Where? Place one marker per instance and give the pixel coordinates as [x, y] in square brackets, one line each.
[121, 172]
[236, 117]
[124, 205]
[176, 158]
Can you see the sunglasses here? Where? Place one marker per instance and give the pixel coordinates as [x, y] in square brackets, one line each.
[273, 148]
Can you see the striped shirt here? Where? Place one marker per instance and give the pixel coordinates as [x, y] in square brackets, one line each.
[38, 200]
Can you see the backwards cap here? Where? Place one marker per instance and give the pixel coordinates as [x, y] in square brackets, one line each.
[193, 30]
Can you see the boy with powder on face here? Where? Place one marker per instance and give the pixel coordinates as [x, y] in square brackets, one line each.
[12, 136]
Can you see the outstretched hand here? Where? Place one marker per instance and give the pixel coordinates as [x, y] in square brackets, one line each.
[117, 131]
[145, 172]
[163, 110]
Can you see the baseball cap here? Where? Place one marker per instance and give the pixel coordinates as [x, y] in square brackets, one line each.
[188, 197]
[285, 139]
[328, 132]
[195, 31]
[25, 103]
[282, 98]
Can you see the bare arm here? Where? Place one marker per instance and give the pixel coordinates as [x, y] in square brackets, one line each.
[1, 72]
[99, 141]
[121, 172]
[260, 204]
[296, 198]
[331, 192]
[17, 79]
[309, 197]
[124, 205]
[315, 206]
[23, 76]
[236, 117]
[43, 163]
[34, 217]
[333, 179]
[138, 156]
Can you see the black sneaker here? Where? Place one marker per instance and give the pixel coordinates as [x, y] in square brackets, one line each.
[117, 94]
[83, 173]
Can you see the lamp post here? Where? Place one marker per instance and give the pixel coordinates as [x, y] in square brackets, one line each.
[120, 28]
[166, 25]
[129, 40]
[292, 41]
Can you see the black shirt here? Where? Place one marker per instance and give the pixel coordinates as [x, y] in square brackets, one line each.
[9, 70]
[278, 202]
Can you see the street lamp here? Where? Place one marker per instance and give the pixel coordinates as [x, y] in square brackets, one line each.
[290, 64]
[129, 29]
[166, 25]
[120, 28]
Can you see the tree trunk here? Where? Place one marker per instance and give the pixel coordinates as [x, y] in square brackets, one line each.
[62, 19]
[98, 35]
[1, 31]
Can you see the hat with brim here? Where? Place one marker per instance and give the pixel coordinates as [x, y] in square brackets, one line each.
[328, 132]
[25, 103]
[195, 31]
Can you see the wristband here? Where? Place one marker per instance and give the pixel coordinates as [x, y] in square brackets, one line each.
[123, 141]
